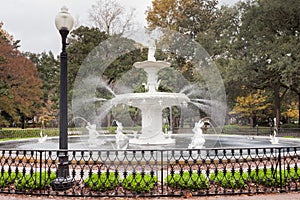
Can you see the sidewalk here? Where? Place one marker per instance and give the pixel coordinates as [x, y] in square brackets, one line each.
[279, 196]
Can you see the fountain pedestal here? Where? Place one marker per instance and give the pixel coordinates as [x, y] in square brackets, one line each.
[152, 127]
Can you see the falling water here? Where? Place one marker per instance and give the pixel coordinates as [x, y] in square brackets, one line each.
[203, 107]
[186, 88]
[105, 108]
[108, 88]
[78, 117]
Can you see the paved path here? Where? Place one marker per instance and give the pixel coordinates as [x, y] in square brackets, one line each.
[282, 196]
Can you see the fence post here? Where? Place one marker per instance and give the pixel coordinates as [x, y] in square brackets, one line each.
[280, 170]
[162, 171]
[41, 165]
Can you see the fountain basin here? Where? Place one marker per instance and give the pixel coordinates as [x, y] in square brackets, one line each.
[181, 142]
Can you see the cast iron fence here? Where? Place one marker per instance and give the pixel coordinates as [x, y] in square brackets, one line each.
[177, 172]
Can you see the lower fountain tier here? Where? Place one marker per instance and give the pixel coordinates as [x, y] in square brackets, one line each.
[151, 105]
[140, 100]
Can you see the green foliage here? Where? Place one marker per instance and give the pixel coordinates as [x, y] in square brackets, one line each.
[112, 129]
[7, 178]
[292, 174]
[103, 181]
[230, 180]
[35, 180]
[48, 70]
[187, 180]
[271, 178]
[266, 177]
[266, 47]
[26, 133]
[139, 182]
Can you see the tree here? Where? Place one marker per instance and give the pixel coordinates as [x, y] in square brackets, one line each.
[20, 77]
[48, 70]
[252, 106]
[109, 16]
[291, 112]
[187, 16]
[82, 41]
[267, 46]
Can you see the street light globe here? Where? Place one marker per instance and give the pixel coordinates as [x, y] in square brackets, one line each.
[63, 20]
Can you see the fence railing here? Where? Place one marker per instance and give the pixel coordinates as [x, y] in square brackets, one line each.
[178, 172]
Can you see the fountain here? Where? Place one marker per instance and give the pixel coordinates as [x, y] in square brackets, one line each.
[179, 103]
[151, 103]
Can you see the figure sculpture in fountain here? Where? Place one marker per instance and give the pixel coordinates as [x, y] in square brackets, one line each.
[119, 132]
[198, 138]
[93, 134]
[42, 138]
[151, 53]
[273, 138]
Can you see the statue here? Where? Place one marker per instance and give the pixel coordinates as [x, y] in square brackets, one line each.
[42, 138]
[119, 132]
[198, 138]
[273, 138]
[93, 134]
[151, 51]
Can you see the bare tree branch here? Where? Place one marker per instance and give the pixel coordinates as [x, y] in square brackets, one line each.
[109, 16]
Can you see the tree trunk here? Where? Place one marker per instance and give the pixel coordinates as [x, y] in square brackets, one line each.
[277, 104]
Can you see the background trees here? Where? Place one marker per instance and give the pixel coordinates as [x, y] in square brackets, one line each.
[254, 44]
[48, 70]
[266, 47]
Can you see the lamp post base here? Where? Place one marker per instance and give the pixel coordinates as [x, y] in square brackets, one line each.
[61, 184]
[63, 180]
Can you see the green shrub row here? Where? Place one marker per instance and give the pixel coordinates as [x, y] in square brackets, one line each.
[26, 133]
[138, 182]
[34, 180]
[145, 182]
[187, 180]
[233, 180]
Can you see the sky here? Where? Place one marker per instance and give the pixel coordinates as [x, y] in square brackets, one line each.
[32, 21]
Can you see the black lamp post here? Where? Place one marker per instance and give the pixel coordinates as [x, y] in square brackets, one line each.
[64, 23]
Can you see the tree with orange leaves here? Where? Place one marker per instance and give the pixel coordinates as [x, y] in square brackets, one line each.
[20, 85]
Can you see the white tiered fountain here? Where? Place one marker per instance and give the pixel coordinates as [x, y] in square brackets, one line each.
[151, 103]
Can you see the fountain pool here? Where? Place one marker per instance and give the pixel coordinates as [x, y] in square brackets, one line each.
[182, 141]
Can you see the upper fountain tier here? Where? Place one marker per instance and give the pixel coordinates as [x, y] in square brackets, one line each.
[152, 97]
[151, 68]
